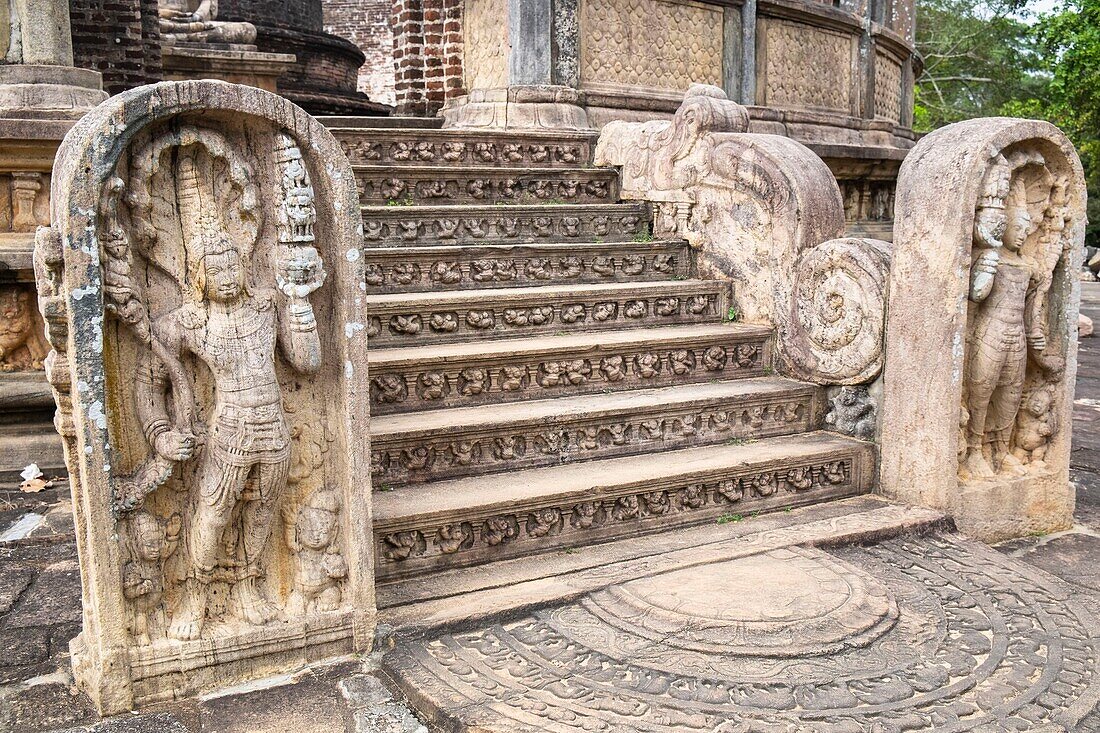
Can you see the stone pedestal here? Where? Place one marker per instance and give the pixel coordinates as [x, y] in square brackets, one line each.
[519, 108]
[521, 74]
[235, 64]
[39, 80]
[39, 91]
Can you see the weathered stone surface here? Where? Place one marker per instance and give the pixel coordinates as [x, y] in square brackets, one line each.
[194, 61]
[935, 633]
[463, 596]
[45, 707]
[546, 366]
[999, 270]
[838, 330]
[409, 147]
[462, 521]
[38, 80]
[447, 184]
[408, 226]
[53, 597]
[196, 22]
[196, 224]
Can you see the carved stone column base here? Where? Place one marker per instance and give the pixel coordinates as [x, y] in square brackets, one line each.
[519, 108]
[32, 91]
[228, 62]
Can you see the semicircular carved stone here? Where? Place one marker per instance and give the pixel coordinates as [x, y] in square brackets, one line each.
[961, 654]
[982, 327]
[836, 328]
[784, 603]
[198, 286]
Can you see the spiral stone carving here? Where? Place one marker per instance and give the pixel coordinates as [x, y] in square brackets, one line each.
[839, 311]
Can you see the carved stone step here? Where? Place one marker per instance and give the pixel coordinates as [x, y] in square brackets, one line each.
[418, 318]
[466, 594]
[16, 257]
[413, 226]
[444, 444]
[505, 149]
[23, 393]
[385, 184]
[478, 373]
[30, 442]
[411, 269]
[427, 527]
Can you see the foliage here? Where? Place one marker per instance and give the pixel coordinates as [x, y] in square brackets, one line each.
[996, 58]
[978, 56]
[1070, 42]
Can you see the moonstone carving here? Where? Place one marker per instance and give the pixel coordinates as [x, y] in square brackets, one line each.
[208, 412]
[982, 327]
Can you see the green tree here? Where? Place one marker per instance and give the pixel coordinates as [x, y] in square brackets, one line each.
[994, 58]
[1070, 43]
[978, 56]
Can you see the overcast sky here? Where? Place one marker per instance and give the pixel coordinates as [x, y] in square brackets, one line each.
[1043, 6]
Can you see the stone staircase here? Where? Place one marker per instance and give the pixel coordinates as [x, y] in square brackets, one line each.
[546, 376]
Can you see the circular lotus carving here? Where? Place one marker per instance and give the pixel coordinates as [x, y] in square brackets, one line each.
[839, 311]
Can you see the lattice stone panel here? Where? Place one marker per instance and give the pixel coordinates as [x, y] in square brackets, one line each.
[651, 43]
[807, 67]
[486, 28]
[887, 88]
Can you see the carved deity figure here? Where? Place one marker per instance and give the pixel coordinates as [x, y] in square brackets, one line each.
[320, 565]
[196, 22]
[233, 328]
[149, 544]
[1007, 323]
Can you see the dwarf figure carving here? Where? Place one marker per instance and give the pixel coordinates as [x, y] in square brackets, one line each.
[233, 328]
[1007, 323]
[320, 566]
[149, 544]
[22, 343]
[1035, 425]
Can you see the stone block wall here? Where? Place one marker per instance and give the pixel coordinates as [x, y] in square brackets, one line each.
[121, 40]
[366, 23]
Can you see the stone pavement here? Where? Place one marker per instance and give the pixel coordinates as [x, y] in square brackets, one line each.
[919, 648]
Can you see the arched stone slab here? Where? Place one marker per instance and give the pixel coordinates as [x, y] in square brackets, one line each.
[201, 287]
[957, 190]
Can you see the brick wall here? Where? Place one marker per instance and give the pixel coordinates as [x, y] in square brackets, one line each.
[427, 54]
[118, 38]
[366, 23]
[298, 14]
